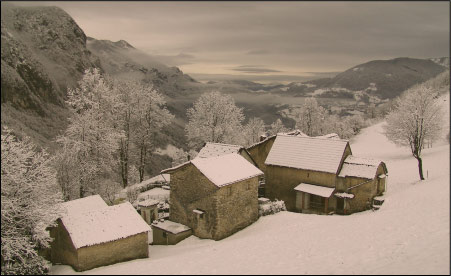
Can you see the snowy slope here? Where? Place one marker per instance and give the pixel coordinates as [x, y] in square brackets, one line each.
[408, 235]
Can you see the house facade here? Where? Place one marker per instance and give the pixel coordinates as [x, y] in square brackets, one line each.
[215, 196]
[104, 235]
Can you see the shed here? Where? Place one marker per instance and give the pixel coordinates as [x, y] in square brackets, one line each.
[364, 179]
[169, 232]
[214, 196]
[103, 235]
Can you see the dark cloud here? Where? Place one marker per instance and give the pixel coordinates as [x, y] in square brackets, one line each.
[255, 69]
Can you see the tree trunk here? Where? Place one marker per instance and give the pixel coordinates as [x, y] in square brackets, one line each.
[420, 167]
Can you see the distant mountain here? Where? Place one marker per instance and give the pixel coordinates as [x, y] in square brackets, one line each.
[378, 79]
[122, 60]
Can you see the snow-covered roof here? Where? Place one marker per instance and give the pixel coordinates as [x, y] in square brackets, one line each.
[217, 149]
[81, 205]
[107, 224]
[197, 211]
[171, 227]
[329, 136]
[295, 132]
[315, 190]
[154, 194]
[308, 153]
[359, 167]
[155, 179]
[226, 169]
[148, 202]
[344, 195]
[175, 168]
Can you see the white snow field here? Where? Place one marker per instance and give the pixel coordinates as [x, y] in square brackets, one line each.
[408, 235]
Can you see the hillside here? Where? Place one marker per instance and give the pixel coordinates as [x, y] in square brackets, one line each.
[376, 80]
[43, 51]
[408, 235]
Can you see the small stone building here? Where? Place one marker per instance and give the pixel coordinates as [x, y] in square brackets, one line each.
[215, 196]
[92, 234]
[359, 182]
[149, 210]
[169, 232]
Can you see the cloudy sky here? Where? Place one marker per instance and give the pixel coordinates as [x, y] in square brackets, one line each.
[269, 40]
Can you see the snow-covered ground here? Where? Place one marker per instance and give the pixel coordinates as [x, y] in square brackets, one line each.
[408, 235]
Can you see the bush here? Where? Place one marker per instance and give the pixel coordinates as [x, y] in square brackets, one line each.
[271, 207]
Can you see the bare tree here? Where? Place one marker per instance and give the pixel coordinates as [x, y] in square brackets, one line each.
[214, 118]
[417, 118]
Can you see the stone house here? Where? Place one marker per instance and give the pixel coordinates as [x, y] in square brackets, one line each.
[92, 234]
[318, 174]
[215, 196]
[169, 232]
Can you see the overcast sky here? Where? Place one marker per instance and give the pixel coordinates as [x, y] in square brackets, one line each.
[269, 38]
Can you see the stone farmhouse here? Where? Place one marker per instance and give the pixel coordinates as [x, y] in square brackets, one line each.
[318, 174]
[214, 196]
[92, 234]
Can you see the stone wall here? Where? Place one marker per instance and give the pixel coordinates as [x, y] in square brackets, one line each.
[281, 181]
[260, 152]
[129, 248]
[191, 190]
[62, 250]
[237, 207]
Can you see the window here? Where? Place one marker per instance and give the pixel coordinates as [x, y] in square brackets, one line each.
[229, 191]
[248, 186]
[164, 234]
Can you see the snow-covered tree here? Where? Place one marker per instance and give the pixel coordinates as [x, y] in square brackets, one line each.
[277, 127]
[151, 115]
[29, 204]
[214, 118]
[417, 118]
[310, 117]
[91, 139]
[252, 131]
